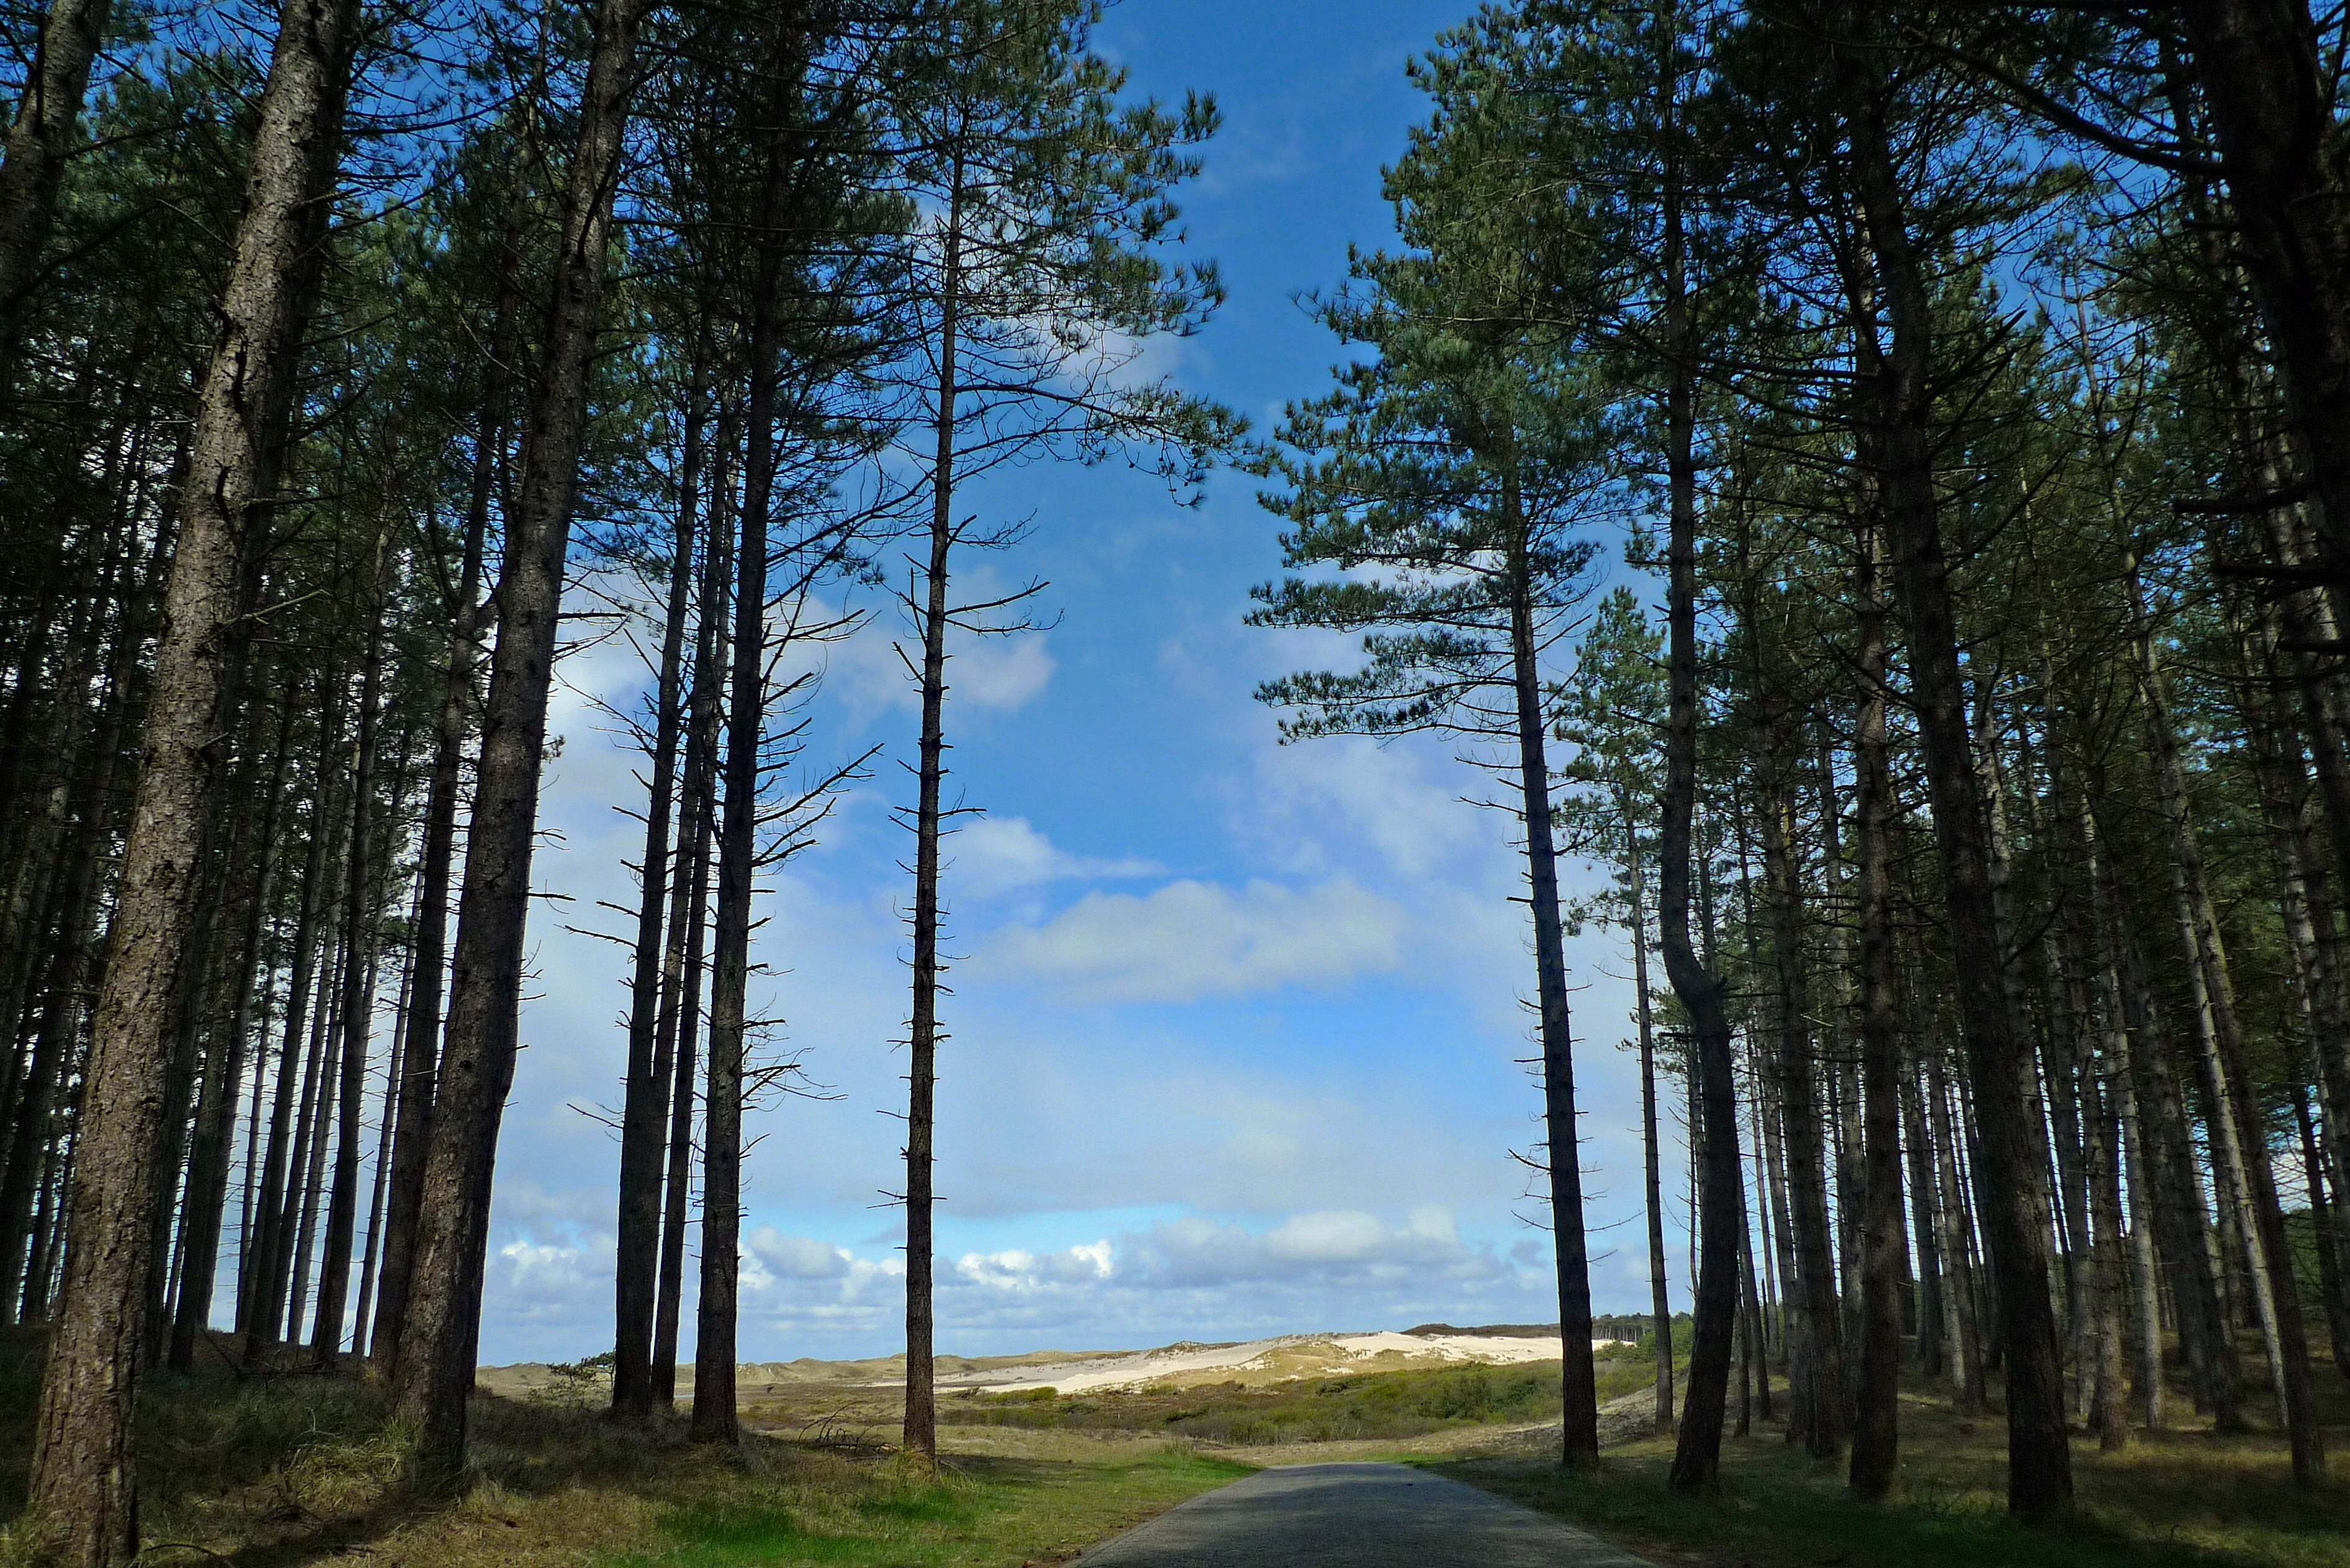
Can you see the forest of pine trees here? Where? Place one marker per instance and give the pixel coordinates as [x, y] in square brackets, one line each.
[1963, 380]
[1969, 385]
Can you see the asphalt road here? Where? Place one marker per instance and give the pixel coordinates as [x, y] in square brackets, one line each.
[1353, 1516]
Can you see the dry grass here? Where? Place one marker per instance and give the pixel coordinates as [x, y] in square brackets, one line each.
[282, 1472]
[2183, 1498]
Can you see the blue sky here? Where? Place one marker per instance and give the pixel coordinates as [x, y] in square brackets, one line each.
[1235, 1027]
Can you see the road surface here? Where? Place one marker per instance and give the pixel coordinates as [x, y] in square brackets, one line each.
[1353, 1516]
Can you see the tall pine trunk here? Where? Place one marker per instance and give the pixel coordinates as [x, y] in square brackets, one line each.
[441, 1320]
[359, 951]
[715, 1417]
[1579, 1425]
[216, 1117]
[2040, 1461]
[1876, 1439]
[637, 1250]
[923, 1027]
[420, 1073]
[84, 1460]
[1660, 1307]
[39, 142]
[681, 986]
[1697, 1453]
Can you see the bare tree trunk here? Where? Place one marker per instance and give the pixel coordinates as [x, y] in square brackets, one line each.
[61, 1008]
[1925, 1224]
[39, 142]
[2146, 1304]
[360, 953]
[442, 1313]
[1766, 1209]
[216, 1110]
[637, 1265]
[2323, 1221]
[2040, 1461]
[922, 1029]
[1697, 1454]
[261, 1280]
[2240, 1142]
[1660, 1308]
[420, 1075]
[84, 1459]
[405, 991]
[1966, 1391]
[2176, 1186]
[1579, 1387]
[714, 1416]
[304, 1226]
[682, 987]
[2099, 1105]
[1875, 1429]
[1821, 1412]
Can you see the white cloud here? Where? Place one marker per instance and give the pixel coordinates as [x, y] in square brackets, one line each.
[1017, 1270]
[1331, 1246]
[1189, 940]
[1000, 673]
[798, 1257]
[997, 854]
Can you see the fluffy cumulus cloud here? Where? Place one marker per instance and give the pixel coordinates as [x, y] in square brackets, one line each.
[1339, 1246]
[1189, 940]
[1017, 1270]
[998, 854]
[1188, 1277]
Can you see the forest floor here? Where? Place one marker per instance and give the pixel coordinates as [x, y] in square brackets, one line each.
[288, 1471]
[2181, 1498]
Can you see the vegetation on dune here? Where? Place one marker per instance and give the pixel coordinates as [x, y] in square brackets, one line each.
[1404, 1404]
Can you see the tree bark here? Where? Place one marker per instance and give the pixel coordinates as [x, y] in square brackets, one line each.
[39, 142]
[1697, 1454]
[216, 1113]
[420, 1075]
[84, 1460]
[715, 1417]
[1875, 1444]
[364, 896]
[1660, 1307]
[435, 1371]
[2040, 1461]
[1821, 1411]
[636, 1272]
[1579, 1387]
[682, 987]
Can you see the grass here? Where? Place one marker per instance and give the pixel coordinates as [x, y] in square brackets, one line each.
[279, 1471]
[2185, 1497]
[282, 1471]
[978, 1509]
[1397, 1405]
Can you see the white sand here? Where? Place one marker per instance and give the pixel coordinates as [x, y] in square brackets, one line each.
[1279, 1359]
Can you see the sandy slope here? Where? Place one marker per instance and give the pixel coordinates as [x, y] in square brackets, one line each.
[1182, 1364]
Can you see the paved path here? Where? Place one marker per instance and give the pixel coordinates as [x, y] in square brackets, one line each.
[1354, 1516]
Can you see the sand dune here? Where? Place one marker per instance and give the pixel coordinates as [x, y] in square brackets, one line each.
[1185, 1363]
